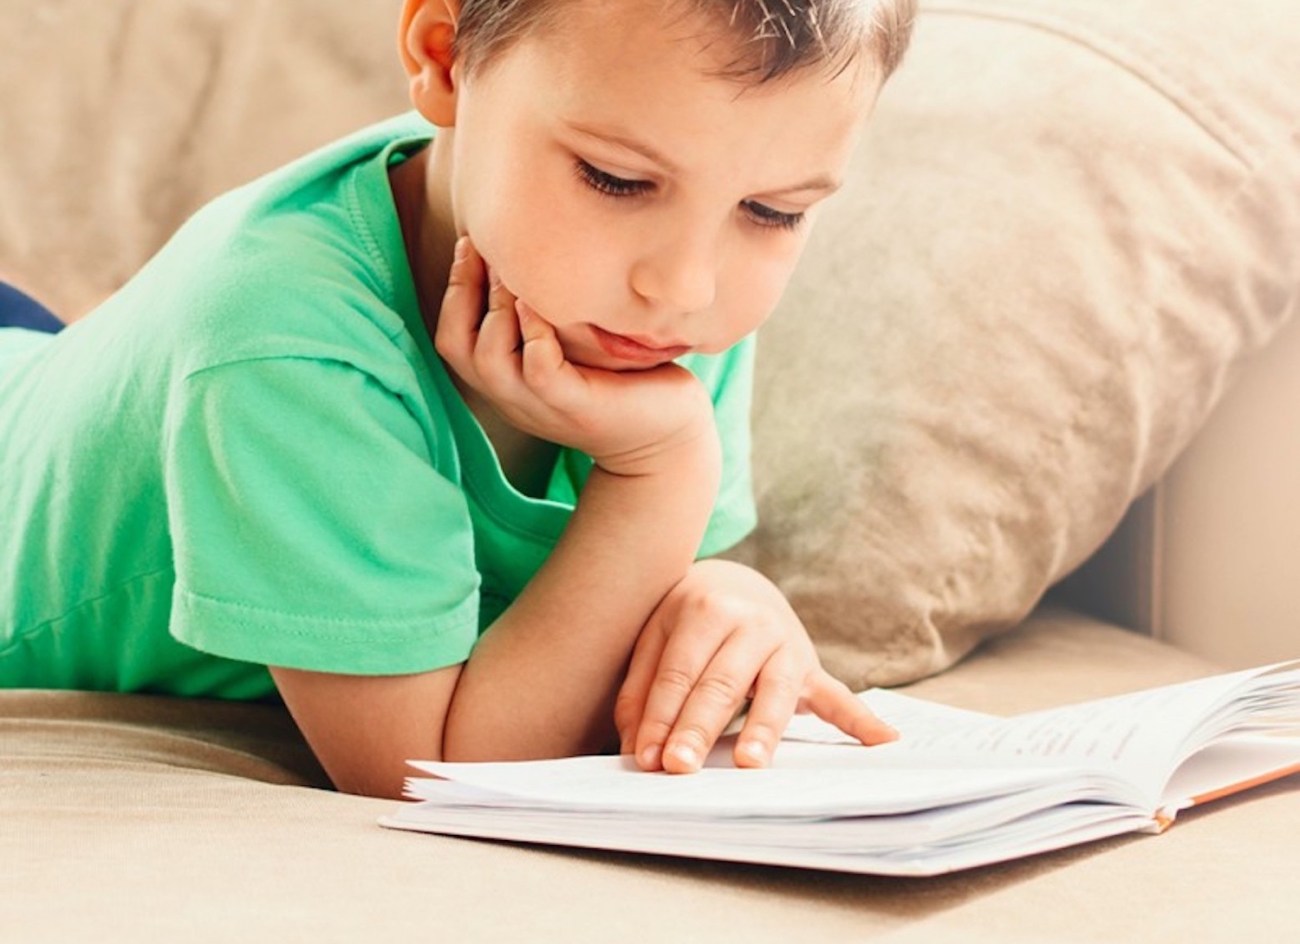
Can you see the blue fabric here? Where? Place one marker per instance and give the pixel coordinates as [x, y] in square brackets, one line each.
[19, 310]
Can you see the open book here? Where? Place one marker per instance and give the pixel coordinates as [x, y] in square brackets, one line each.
[959, 789]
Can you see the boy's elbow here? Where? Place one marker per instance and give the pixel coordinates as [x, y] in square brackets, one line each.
[388, 784]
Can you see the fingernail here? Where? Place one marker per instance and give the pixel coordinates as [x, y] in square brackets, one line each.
[493, 279]
[686, 755]
[462, 249]
[755, 751]
[522, 308]
[650, 757]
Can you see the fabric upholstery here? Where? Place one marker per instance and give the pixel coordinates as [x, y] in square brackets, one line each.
[1070, 226]
[120, 119]
[131, 818]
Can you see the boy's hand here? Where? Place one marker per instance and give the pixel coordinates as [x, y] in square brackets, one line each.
[722, 634]
[629, 422]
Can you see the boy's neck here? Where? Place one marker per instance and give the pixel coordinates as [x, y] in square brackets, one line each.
[421, 196]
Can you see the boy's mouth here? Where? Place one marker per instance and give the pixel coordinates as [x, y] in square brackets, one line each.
[637, 349]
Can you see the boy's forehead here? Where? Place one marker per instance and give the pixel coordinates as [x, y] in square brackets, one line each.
[654, 80]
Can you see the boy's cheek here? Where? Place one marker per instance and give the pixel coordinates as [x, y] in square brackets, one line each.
[547, 284]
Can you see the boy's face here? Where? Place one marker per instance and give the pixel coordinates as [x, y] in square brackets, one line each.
[641, 205]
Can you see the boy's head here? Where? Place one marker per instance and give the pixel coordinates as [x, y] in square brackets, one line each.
[768, 38]
[643, 168]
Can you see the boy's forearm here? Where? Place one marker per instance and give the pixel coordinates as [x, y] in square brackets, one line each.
[542, 680]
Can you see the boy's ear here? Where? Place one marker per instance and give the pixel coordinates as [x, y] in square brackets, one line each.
[425, 40]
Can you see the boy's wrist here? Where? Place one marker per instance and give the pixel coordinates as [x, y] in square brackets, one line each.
[695, 445]
[692, 441]
[675, 487]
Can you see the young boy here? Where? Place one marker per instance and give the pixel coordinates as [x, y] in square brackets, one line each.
[432, 433]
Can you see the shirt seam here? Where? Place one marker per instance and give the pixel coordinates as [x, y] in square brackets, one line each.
[370, 242]
[420, 620]
[31, 632]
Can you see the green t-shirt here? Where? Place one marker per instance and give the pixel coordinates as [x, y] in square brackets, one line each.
[250, 455]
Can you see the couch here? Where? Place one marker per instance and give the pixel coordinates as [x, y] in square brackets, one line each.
[1050, 324]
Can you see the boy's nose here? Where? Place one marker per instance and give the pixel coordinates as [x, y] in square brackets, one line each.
[679, 275]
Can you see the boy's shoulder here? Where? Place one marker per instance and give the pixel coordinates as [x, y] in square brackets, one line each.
[303, 260]
[303, 178]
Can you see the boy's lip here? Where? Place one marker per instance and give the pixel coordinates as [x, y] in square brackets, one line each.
[637, 348]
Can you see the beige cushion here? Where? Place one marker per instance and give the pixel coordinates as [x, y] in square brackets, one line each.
[125, 818]
[120, 119]
[1070, 224]
[1228, 532]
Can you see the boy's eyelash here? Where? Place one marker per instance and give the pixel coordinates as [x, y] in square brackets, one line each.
[608, 184]
[764, 215]
[613, 186]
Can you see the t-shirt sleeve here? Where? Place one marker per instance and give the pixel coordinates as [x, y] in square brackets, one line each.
[310, 527]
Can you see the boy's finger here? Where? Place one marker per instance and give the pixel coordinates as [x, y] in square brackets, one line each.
[831, 700]
[462, 303]
[629, 705]
[544, 365]
[776, 697]
[496, 349]
[663, 702]
[719, 691]
[676, 672]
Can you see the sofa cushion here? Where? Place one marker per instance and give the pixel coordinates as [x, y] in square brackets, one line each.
[126, 818]
[1069, 227]
[119, 120]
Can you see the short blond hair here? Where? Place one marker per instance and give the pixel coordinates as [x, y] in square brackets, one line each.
[772, 38]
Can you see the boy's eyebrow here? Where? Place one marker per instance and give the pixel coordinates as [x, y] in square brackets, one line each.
[821, 183]
[632, 144]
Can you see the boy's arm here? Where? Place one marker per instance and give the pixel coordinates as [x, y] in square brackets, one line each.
[542, 680]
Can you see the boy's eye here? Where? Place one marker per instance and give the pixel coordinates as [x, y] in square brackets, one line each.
[614, 186]
[764, 215]
[607, 183]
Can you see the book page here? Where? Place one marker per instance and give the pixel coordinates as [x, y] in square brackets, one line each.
[1131, 743]
[616, 784]
[1230, 766]
[960, 789]
[923, 843]
[1141, 736]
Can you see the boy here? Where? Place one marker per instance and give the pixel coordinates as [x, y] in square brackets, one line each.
[426, 432]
